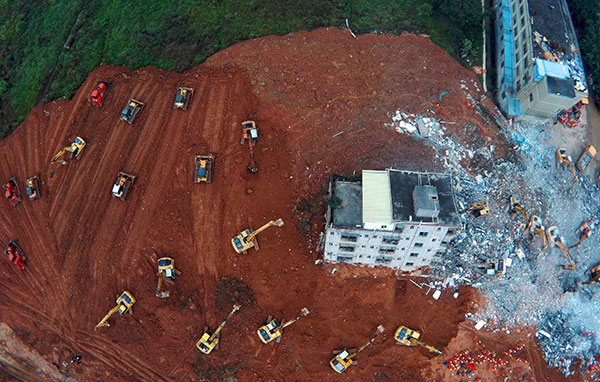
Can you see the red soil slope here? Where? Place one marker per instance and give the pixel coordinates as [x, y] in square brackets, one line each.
[84, 247]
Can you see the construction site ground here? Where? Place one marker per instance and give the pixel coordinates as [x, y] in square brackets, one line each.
[322, 101]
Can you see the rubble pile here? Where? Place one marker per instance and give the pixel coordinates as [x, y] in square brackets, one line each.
[534, 288]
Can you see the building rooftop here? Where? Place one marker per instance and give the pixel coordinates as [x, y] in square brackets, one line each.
[349, 214]
[564, 87]
[551, 21]
[402, 185]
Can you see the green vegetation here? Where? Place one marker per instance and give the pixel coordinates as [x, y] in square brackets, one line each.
[178, 35]
[585, 14]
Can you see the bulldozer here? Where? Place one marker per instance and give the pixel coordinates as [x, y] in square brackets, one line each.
[250, 135]
[32, 188]
[345, 358]
[166, 271]
[11, 192]
[122, 185]
[124, 304]
[246, 239]
[98, 94]
[594, 273]
[209, 340]
[554, 239]
[203, 169]
[15, 254]
[408, 337]
[586, 158]
[183, 98]
[75, 150]
[478, 209]
[585, 230]
[563, 160]
[272, 330]
[133, 109]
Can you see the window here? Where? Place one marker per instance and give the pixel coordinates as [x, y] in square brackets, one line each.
[517, 57]
[414, 255]
[344, 259]
[393, 239]
[403, 249]
[518, 85]
[530, 97]
[517, 71]
[383, 260]
[410, 264]
[423, 234]
[503, 95]
[347, 248]
[450, 232]
[433, 240]
[418, 245]
[383, 249]
[438, 229]
[347, 236]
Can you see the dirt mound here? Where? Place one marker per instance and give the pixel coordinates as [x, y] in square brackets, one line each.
[321, 101]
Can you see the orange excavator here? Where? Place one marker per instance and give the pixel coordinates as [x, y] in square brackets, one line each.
[565, 160]
[585, 230]
[250, 135]
[536, 228]
[554, 238]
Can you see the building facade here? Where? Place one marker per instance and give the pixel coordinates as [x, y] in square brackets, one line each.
[539, 68]
[398, 219]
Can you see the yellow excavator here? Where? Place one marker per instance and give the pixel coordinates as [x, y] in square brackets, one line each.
[344, 358]
[166, 271]
[76, 148]
[124, 303]
[515, 207]
[246, 240]
[209, 340]
[536, 228]
[408, 337]
[565, 160]
[272, 329]
[479, 208]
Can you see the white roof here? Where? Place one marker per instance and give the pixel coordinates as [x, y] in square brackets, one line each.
[376, 197]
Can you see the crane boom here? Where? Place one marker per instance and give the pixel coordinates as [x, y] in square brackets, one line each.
[218, 330]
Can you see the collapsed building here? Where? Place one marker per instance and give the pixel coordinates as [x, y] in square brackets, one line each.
[399, 219]
[538, 64]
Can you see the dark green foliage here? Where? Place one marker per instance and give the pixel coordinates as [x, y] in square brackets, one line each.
[178, 35]
[585, 15]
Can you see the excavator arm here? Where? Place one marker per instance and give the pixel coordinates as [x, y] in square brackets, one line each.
[218, 330]
[379, 330]
[303, 312]
[428, 347]
[560, 245]
[56, 158]
[104, 321]
[277, 222]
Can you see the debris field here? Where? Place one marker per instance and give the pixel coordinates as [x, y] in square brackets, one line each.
[324, 102]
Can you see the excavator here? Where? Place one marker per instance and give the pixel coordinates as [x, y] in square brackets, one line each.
[32, 188]
[166, 271]
[15, 254]
[124, 304]
[182, 98]
[250, 135]
[536, 228]
[98, 94]
[343, 359]
[122, 185]
[594, 273]
[11, 192]
[409, 337]
[515, 207]
[585, 230]
[246, 240]
[133, 109]
[272, 329]
[554, 238]
[478, 208]
[76, 148]
[203, 168]
[209, 340]
[565, 160]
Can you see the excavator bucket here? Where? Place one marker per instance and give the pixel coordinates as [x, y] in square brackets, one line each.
[133, 109]
[203, 169]
[183, 98]
[122, 185]
[32, 188]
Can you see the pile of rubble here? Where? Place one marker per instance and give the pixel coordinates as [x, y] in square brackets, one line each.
[533, 287]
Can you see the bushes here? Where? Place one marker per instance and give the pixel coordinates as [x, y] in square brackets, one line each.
[585, 15]
[179, 34]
